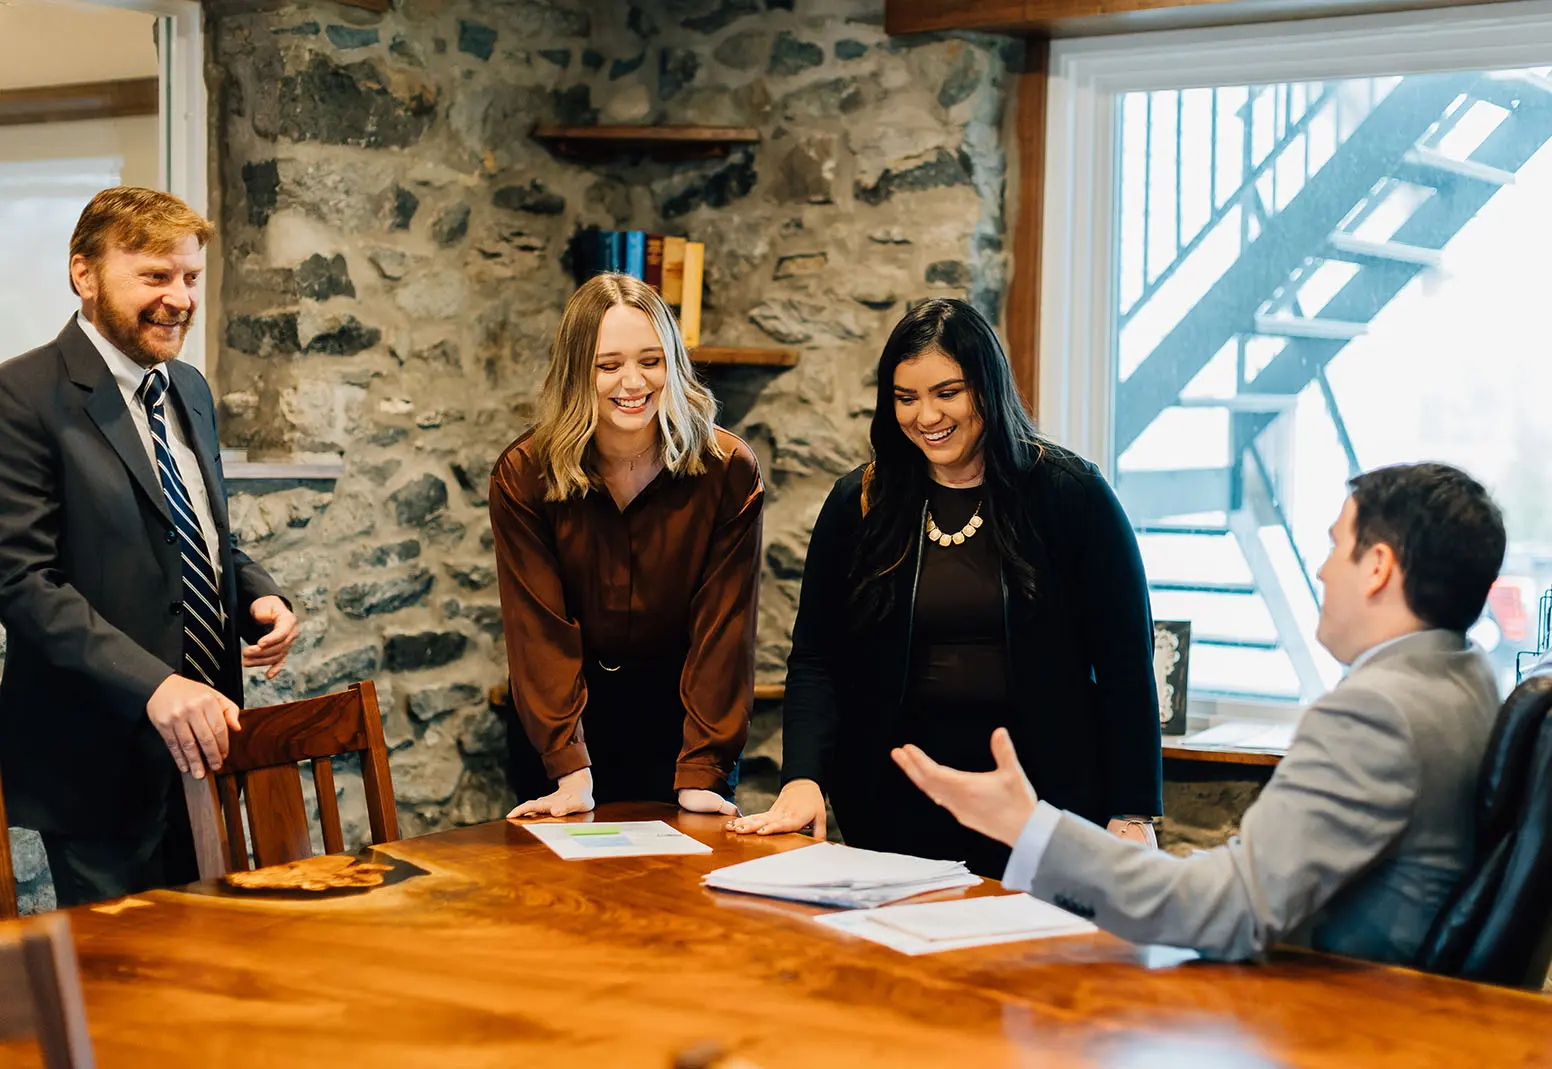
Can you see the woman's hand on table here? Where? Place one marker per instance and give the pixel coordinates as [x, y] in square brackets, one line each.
[800, 804]
[696, 800]
[573, 793]
[1134, 829]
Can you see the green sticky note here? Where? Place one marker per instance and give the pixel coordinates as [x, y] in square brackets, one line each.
[594, 829]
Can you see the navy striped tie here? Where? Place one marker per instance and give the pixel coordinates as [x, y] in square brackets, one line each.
[203, 619]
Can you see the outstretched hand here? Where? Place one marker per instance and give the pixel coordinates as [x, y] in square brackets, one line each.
[997, 803]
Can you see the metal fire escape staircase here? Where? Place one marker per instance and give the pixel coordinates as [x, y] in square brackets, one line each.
[1385, 202]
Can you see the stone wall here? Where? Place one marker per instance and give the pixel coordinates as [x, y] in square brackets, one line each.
[393, 261]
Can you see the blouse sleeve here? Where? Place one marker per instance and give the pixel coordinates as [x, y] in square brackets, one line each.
[1117, 622]
[811, 711]
[544, 642]
[717, 685]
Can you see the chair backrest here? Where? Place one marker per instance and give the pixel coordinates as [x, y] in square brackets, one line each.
[1497, 925]
[7, 872]
[40, 990]
[261, 776]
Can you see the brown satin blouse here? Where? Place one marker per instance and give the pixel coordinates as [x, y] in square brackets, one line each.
[676, 573]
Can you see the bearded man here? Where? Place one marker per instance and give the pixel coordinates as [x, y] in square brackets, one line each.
[125, 601]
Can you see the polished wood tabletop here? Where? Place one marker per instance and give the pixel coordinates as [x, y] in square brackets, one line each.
[501, 954]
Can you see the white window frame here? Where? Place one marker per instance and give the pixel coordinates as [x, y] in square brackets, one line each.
[183, 156]
[1078, 218]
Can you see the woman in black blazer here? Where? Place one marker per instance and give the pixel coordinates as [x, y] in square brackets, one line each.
[973, 576]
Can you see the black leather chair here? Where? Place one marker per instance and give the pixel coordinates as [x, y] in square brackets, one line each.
[1497, 926]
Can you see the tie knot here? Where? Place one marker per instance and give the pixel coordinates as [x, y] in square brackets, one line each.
[153, 389]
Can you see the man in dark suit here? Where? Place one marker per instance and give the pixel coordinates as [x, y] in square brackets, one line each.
[125, 602]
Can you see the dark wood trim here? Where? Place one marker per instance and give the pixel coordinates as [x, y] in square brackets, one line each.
[73, 103]
[1021, 317]
[1068, 18]
[1221, 756]
[379, 6]
[924, 16]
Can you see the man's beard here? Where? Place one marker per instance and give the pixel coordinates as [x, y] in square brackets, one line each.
[125, 329]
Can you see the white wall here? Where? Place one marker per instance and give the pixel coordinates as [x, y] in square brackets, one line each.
[57, 42]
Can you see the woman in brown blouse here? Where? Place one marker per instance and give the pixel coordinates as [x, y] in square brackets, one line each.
[627, 531]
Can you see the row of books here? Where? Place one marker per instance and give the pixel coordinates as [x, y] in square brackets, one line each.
[671, 265]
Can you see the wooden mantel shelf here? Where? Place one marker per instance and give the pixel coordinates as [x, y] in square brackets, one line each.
[676, 141]
[501, 694]
[728, 355]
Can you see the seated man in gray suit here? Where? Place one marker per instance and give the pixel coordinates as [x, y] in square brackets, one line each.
[1359, 837]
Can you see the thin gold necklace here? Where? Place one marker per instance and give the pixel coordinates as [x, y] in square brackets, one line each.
[943, 538]
[629, 461]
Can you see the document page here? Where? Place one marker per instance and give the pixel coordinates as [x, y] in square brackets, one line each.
[634, 838]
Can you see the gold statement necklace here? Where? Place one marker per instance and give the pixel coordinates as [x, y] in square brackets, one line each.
[943, 538]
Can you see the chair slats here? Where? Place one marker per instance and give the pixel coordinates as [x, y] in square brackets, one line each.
[328, 806]
[7, 872]
[277, 815]
[40, 991]
[261, 777]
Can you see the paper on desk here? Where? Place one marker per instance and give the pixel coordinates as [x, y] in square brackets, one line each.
[632, 838]
[1243, 735]
[980, 918]
[830, 874]
[990, 925]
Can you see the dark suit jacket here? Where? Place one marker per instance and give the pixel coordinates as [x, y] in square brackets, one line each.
[1083, 702]
[91, 589]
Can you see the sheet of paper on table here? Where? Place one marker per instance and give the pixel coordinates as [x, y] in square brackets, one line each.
[632, 838]
[829, 874]
[1243, 735]
[931, 927]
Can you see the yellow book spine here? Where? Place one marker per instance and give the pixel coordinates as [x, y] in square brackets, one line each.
[673, 270]
[690, 305]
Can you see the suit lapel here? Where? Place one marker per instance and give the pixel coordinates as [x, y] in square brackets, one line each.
[106, 408]
[198, 424]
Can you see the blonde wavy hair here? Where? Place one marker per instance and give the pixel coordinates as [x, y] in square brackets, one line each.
[568, 407]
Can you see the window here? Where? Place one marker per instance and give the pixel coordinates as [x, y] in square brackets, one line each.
[1280, 255]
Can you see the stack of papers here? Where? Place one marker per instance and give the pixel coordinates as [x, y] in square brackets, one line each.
[828, 874]
[1243, 735]
[971, 922]
[633, 838]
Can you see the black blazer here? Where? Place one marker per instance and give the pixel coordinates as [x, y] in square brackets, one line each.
[1085, 706]
[91, 589]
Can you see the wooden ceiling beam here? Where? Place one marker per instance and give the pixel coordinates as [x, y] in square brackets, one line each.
[1072, 18]
[78, 102]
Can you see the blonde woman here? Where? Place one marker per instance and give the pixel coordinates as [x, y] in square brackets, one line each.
[627, 531]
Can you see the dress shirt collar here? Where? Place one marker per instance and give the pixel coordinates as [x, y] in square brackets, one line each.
[129, 375]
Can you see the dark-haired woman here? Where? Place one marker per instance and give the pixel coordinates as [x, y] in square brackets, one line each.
[973, 576]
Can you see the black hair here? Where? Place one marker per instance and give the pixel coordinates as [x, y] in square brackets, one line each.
[1447, 534]
[896, 482]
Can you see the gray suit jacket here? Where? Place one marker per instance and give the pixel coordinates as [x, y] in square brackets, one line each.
[1353, 845]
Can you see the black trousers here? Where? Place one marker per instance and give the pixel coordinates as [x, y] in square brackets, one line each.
[91, 868]
[633, 725]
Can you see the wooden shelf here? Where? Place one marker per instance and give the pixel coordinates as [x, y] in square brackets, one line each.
[732, 355]
[663, 141]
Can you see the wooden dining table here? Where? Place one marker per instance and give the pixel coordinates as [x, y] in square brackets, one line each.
[495, 952]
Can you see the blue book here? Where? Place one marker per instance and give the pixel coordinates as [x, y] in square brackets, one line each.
[616, 258]
[636, 254]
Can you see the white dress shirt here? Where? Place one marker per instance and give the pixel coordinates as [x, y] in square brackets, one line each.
[130, 376]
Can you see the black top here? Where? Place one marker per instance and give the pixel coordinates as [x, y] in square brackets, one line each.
[1081, 702]
[958, 639]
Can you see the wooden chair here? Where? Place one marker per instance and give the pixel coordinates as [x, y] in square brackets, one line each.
[261, 771]
[7, 873]
[40, 991]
